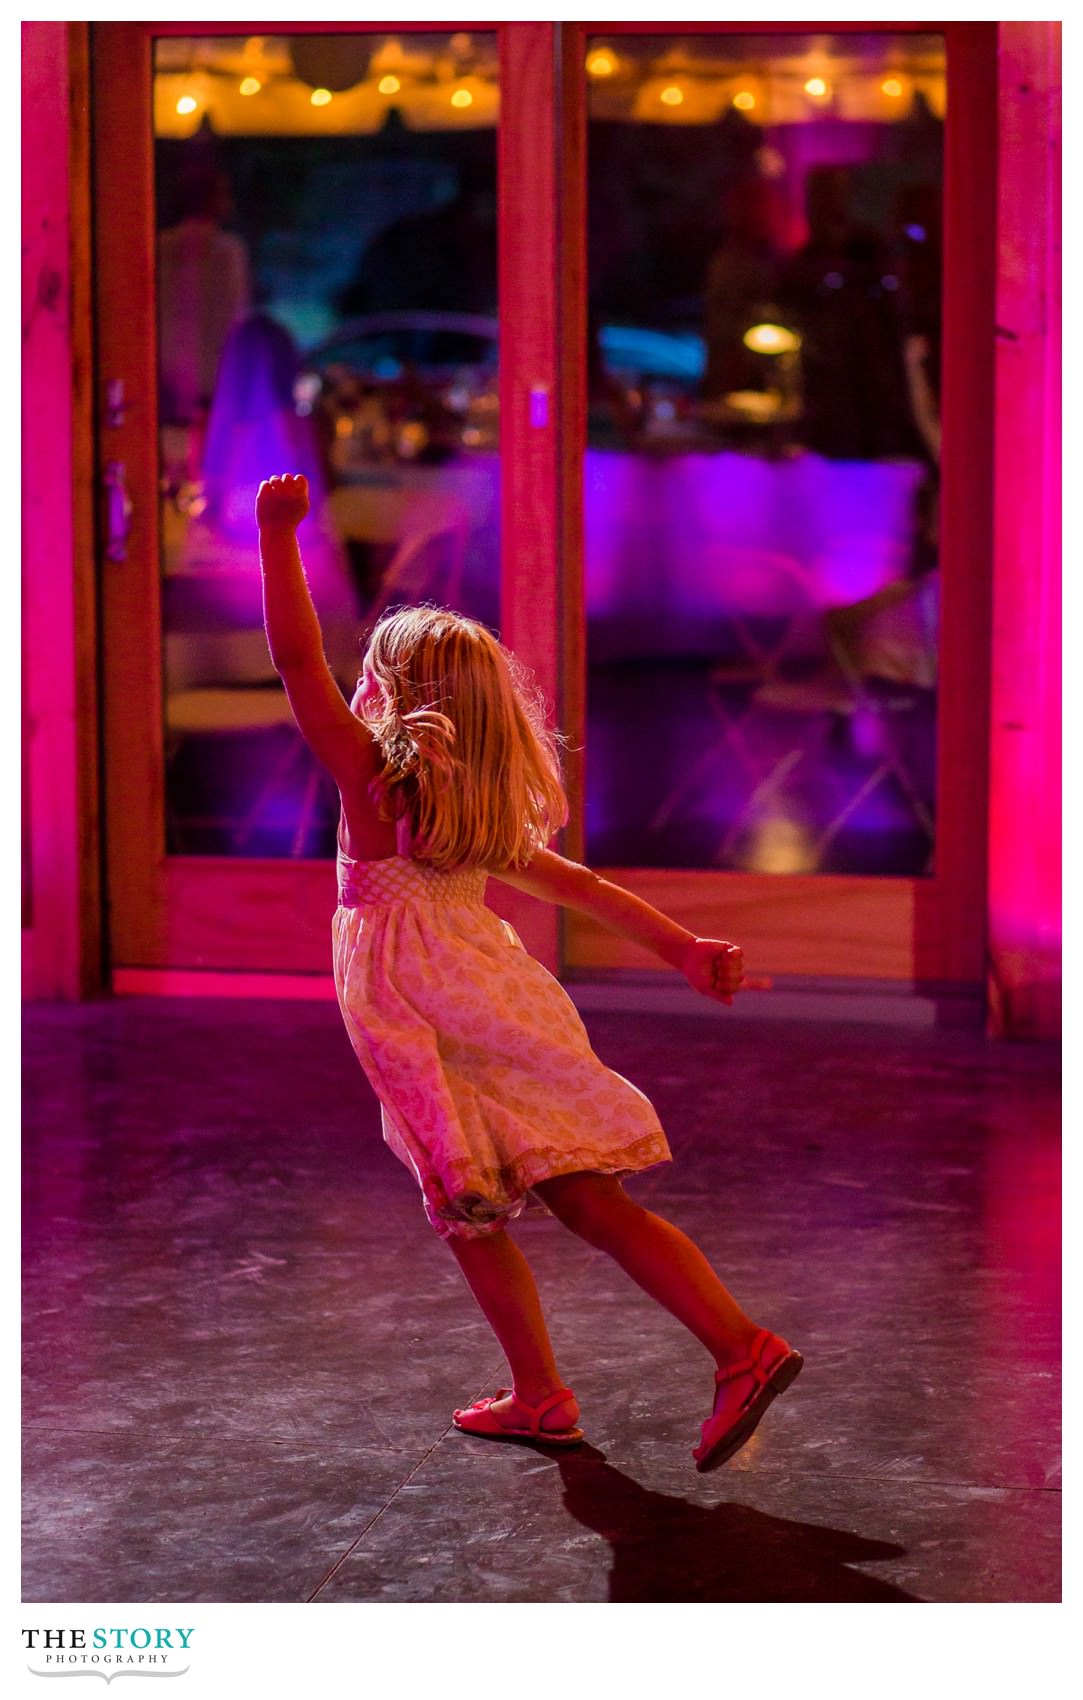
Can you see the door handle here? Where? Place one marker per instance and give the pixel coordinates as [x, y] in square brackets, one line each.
[116, 408]
[118, 511]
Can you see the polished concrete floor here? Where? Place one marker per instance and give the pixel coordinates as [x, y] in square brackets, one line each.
[243, 1343]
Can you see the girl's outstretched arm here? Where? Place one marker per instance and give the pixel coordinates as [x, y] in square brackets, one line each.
[333, 733]
[713, 966]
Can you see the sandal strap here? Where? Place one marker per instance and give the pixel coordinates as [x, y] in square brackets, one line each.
[751, 1365]
[537, 1412]
[743, 1366]
[489, 1399]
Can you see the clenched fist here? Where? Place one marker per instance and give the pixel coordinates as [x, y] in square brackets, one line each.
[282, 502]
[714, 967]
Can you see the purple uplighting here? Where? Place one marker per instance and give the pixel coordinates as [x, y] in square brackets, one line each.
[674, 545]
[254, 424]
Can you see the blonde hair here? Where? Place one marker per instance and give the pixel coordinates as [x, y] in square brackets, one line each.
[468, 760]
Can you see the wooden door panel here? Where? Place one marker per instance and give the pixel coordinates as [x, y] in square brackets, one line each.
[923, 928]
[216, 912]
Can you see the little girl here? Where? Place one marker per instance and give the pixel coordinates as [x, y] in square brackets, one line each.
[487, 1083]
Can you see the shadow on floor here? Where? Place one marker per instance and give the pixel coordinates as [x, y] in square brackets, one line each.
[668, 1549]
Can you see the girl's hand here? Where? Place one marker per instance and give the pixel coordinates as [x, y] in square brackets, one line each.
[282, 503]
[713, 967]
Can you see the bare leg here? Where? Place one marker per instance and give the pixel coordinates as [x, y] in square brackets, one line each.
[501, 1280]
[658, 1256]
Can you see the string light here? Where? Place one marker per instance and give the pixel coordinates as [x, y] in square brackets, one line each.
[875, 92]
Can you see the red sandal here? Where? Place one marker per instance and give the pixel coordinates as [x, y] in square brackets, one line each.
[738, 1409]
[478, 1419]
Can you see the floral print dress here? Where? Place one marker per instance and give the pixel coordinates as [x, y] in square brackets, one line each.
[484, 1071]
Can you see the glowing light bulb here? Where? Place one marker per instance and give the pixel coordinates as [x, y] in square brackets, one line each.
[600, 63]
[462, 98]
[744, 101]
[186, 104]
[817, 88]
[251, 85]
[892, 86]
[672, 96]
[389, 85]
[320, 97]
[771, 339]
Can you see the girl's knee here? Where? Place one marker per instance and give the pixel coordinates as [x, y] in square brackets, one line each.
[586, 1202]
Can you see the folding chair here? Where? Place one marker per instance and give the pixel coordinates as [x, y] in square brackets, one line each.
[770, 613]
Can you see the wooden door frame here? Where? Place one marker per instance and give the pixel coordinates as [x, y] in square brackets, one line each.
[62, 947]
[62, 923]
[911, 930]
[207, 913]
[240, 915]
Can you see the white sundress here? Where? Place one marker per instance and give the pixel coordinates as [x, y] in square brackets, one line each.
[486, 1078]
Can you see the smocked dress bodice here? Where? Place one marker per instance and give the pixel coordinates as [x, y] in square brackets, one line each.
[399, 879]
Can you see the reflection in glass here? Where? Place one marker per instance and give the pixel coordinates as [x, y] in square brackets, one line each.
[326, 304]
[763, 448]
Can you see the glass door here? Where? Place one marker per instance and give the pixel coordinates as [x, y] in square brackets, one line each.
[298, 250]
[326, 300]
[668, 353]
[784, 688]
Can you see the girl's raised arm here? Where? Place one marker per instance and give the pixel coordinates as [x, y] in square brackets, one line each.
[333, 733]
[713, 966]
